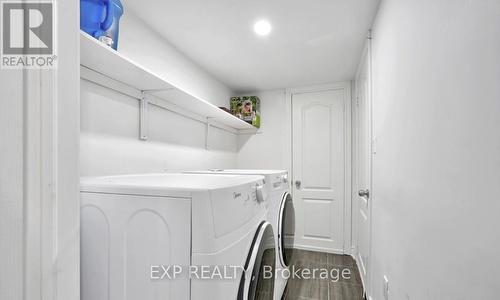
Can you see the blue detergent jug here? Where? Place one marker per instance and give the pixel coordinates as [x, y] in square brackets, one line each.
[100, 19]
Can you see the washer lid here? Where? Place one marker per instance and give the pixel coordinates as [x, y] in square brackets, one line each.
[248, 171]
[163, 183]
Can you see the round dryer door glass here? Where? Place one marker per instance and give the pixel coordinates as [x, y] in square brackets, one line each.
[287, 229]
[257, 282]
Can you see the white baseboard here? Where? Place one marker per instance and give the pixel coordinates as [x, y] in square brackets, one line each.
[319, 249]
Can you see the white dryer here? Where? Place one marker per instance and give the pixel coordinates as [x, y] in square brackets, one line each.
[281, 215]
[131, 225]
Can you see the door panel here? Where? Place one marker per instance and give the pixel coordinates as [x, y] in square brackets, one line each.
[317, 209]
[315, 118]
[318, 133]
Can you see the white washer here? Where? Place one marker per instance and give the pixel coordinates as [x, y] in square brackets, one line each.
[131, 223]
[281, 215]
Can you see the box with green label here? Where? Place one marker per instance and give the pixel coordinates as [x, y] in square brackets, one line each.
[246, 108]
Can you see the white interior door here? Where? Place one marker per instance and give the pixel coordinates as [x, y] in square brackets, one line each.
[363, 167]
[319, 168]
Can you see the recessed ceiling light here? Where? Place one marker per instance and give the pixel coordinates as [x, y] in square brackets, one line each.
[262, 27]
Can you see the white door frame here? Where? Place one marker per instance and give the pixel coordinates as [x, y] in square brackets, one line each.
[51, 171]
[367, 54]
[346, 85]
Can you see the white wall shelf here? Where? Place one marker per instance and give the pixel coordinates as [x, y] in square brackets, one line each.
[126, 76]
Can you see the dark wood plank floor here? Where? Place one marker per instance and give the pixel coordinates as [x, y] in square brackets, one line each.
[324, 289]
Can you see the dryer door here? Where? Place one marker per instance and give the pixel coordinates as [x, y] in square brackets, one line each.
[257, 282]
[286, 229]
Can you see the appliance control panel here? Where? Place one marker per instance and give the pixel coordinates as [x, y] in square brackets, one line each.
[259, 193]
[279, 180]
[254, 195]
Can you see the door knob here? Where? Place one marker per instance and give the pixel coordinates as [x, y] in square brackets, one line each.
[364, 193]
[297, 184]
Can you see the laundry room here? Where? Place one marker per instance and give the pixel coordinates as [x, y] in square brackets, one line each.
[249, 149]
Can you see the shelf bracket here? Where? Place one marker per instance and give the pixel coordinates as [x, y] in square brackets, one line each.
[207, 134]
[144, 120]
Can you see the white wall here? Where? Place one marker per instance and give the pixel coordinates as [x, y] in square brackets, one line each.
[110, 143]
[140, 43]
[267, 149]
[436, 75]
[11, 185]
[110, 121]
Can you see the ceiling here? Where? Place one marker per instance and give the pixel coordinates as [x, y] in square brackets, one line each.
[312, 42]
